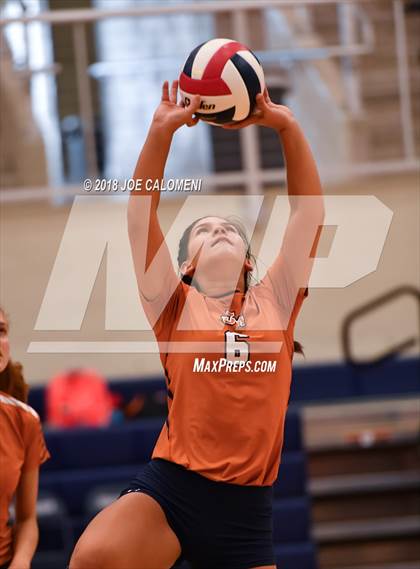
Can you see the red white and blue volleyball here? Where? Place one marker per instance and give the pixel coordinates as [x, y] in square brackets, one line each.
[227, 75]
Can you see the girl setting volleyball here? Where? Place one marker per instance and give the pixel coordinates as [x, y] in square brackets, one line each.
[226, 348]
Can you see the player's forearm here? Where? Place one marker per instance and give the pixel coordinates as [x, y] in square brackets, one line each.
[302, 172]
[25, 542]
[150, 166]
[152, 160]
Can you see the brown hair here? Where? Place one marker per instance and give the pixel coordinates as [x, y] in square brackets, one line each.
[183, 255]
[12, 381]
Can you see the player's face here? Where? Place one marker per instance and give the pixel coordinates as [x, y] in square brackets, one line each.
[4, 342]
[217, 238]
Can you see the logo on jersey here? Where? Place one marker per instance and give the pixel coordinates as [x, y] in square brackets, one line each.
[230, 319]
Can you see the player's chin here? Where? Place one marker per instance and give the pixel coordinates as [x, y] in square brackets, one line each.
[223, 257]
[223, 250]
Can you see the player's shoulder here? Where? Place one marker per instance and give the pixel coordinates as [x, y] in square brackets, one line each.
[261, 289]
[189, 291]
[24, 408]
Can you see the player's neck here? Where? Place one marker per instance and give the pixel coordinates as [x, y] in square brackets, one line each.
[220, 288]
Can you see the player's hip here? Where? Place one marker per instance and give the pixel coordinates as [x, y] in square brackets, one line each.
[227, 524]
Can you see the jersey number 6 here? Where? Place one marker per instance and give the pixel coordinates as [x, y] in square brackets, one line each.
[236, 347]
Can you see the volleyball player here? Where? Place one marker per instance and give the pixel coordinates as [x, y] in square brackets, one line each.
[22, 450]
[207, 492]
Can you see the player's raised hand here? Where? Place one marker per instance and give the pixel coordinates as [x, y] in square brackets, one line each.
[266, 113]
[170, 114]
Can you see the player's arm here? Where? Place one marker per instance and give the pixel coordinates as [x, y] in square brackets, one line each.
[306, 201]
[293, 265]
[26, 527]
[152, 261]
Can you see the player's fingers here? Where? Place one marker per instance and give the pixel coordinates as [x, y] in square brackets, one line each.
[261, 102]
[253, 119]
[193, 106]
[174, 92]
[255, 116]
[165, 91]
[267, 98]
[193, 121]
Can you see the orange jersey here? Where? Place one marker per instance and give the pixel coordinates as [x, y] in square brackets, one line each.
[22, 448]
[227, 363]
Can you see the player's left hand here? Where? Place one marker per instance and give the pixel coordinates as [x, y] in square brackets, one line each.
[266, 113]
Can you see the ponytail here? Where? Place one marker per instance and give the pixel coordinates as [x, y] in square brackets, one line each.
[13, 383]
[298, 348]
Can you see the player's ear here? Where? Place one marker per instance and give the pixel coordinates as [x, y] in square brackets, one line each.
[186, 268]
[248, 265]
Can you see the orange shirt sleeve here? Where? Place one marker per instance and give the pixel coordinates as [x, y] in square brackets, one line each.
[158, 307]
[290, 272]
[280, 278]
[36, 451]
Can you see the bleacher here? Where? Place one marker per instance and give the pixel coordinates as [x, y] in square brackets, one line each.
[327, 382]
[89, 467]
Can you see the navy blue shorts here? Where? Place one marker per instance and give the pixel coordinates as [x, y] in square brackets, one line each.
[219, 525]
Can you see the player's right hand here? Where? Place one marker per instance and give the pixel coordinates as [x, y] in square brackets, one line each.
[171, 115]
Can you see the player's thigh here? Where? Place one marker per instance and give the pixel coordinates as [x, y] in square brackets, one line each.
[131, 533]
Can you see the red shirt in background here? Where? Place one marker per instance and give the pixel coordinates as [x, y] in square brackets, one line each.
[79, 397]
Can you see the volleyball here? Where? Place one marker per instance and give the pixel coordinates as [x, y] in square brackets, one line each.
[227, 75]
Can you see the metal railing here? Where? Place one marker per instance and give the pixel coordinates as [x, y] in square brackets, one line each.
[252, 176]
[365, 310]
